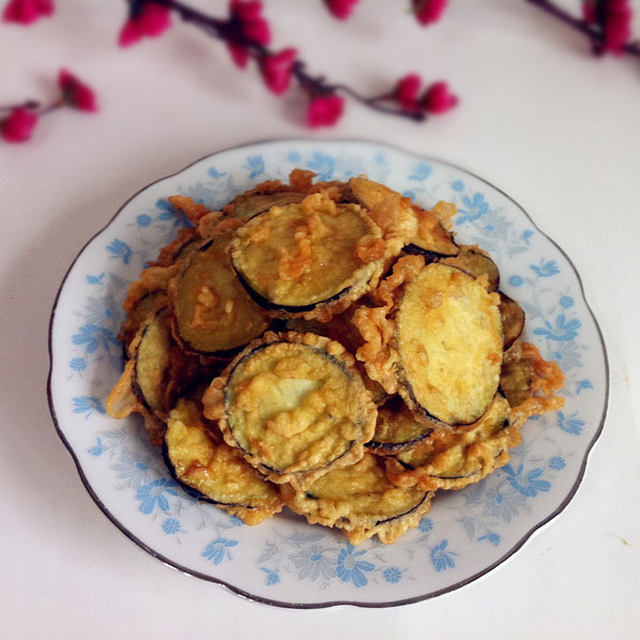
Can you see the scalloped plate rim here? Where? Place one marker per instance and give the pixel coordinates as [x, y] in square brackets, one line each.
[331, 603]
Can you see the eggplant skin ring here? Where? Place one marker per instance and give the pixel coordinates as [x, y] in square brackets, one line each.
[212, 471]
[449, 342]
[398, 430]
[455, 458]
[360, 500]
[212, 312]
[295, 406]
[295, 258]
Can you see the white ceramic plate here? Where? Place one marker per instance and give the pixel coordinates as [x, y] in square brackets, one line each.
[285, 561]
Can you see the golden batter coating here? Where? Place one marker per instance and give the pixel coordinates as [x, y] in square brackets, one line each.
[192, 209]
[432, 238]
[212, 312]
[145, 297]
[436, 340]
[294, 405]
[449, 341]
[454, 458]
[309, 259]
[204, 464]
[361, 501]
[394, 214]
[530, 383]
[397, 428]
[397, 369]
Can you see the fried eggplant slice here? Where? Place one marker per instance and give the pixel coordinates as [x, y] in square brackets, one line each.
[267, 194]
[388, 209]
[156, 372]
[294, 405]
[211, 470]
[360, 500]
[310, 258]
[476, 263]
[122, 402]
[529, 382]
[247, 206]
[512, 315]
[436, 339]
[397, 429]
[454, 458]
[145, 297]
[152, 358]
[449, 339]
[213, 313]
[432, 239]
[186, 241]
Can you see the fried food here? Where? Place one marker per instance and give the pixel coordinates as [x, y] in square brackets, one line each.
[394, 214]
[211, 470]
[397, 428]
[444, 344]
[212, 313]
[156, 373]
[294, 405]
[318, 254]
[512, 315]
[454, 458]
[432, 238]
[360, 500]
[332, 347]
[476, 262]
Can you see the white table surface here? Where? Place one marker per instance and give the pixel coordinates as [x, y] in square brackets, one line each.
[539, 118]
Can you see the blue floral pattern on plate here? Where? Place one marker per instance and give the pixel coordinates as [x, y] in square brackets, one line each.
[285, 561]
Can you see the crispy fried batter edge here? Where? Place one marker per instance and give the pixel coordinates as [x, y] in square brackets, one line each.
[482, 455]
[250, 515]
[377, 324]
[392, 212]
[364, 279]
[547, 379]
[356, 527]
[210, 228]
[122, 401]
[213, 401]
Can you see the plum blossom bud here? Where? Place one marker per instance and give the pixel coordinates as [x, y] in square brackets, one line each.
[324, 111]
[428, 11]
[341, 9]
[150, 20]
[406, 91]
[438, 99]
[75, 93]
[26, 11]
[276, 69]
[18, 125]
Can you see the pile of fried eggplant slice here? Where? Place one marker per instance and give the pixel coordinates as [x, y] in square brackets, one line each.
[330, 347]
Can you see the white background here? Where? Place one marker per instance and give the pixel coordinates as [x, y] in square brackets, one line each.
[540, 118]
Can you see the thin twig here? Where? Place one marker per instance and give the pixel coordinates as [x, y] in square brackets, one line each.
[230, 31]
[596, 36]
[33, 105]
[28, 104]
